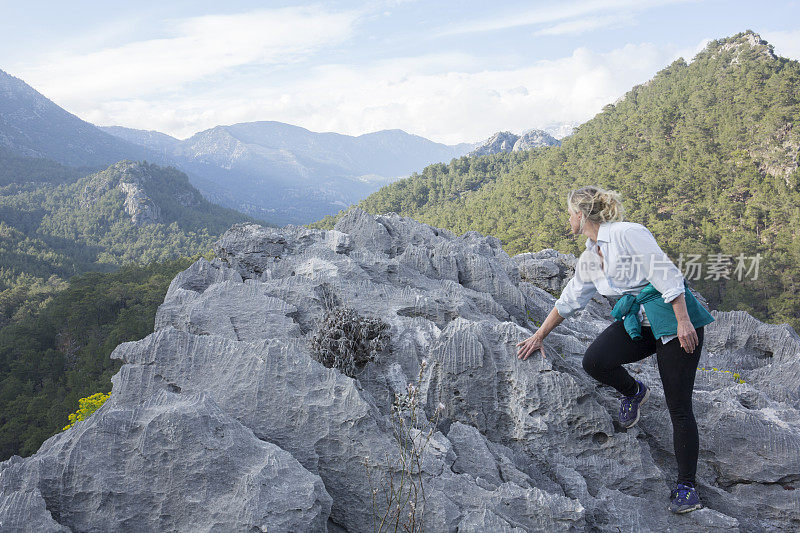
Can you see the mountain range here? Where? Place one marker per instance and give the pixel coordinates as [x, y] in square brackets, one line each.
[272, 171]
[288, 174]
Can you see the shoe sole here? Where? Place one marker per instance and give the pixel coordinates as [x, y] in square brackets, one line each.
[692, 508]
[639, 410]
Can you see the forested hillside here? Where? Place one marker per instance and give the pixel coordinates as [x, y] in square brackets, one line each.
[705, 155]
[134, 224]
[36, 170]
[59, 322]
[57, 226]
[49, 361]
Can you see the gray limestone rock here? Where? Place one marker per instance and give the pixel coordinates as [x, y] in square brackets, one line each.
[155, 457]
[502, 141]
[472, 453]
[547, 269]
[223, 416]
[138, 205]
[534, 139]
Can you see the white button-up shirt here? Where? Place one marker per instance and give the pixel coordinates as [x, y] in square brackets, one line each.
[631, 259]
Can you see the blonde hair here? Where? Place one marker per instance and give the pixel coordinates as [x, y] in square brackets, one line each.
[597, 204]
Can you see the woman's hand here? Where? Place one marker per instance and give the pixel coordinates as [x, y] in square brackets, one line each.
[686, 332]
[530, 345]
[687, 335]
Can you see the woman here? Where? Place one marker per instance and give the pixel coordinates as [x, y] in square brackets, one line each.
[623, 259]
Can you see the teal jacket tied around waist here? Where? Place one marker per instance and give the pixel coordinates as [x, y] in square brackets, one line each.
[660, 314]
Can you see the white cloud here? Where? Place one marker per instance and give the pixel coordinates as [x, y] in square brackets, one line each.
[439, 96]
[196, 49]
[582, 25]
[216, 70]
[786, 43]
[553, 12]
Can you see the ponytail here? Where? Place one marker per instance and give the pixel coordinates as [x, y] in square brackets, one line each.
[597, 204]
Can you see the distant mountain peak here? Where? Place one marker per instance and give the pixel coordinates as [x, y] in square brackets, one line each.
[392, 131]
[34, 126]
[505, 141]
[141, 182]
[740, 42]
[725, 53]
[533, 139]
[9, 83]
[150, 139]
[268, 168]
[502, 141]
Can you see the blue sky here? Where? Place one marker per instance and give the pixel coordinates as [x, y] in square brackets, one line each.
[450, 71]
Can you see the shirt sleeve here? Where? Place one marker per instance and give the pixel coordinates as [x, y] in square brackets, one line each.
[656, 266]
[575, 296]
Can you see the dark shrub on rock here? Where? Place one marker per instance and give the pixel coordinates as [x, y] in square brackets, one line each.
[347, 341]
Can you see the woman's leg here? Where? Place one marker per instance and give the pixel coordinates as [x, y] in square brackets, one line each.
[611, 349]
[678, 369]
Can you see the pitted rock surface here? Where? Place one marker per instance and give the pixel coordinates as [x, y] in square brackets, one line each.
[222, 418]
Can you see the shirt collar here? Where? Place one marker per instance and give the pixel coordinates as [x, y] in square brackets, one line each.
[602, 234]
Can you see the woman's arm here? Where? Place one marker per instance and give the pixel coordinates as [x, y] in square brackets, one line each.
[665, 277]
[679, 305]
[550, 323]
[579, 290]
[574, 297]
[686, 332]
[536, 341]
[576, 294]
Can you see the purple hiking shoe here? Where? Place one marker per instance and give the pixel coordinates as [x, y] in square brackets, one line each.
[629, 407]
[684, 499]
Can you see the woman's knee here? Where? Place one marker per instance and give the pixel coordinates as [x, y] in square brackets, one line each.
[683, 421]
[679, 404]
[680, 410]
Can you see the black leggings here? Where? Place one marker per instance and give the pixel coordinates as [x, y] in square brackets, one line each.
[614, 347]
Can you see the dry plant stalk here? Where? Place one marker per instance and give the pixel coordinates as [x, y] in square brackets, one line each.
[403, 493]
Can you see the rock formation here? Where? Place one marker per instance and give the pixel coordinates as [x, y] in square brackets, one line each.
[533, 139]
[505, 141]
[502, 141]
[222, 419]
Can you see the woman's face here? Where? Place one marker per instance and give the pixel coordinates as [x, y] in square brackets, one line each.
[574, 221]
